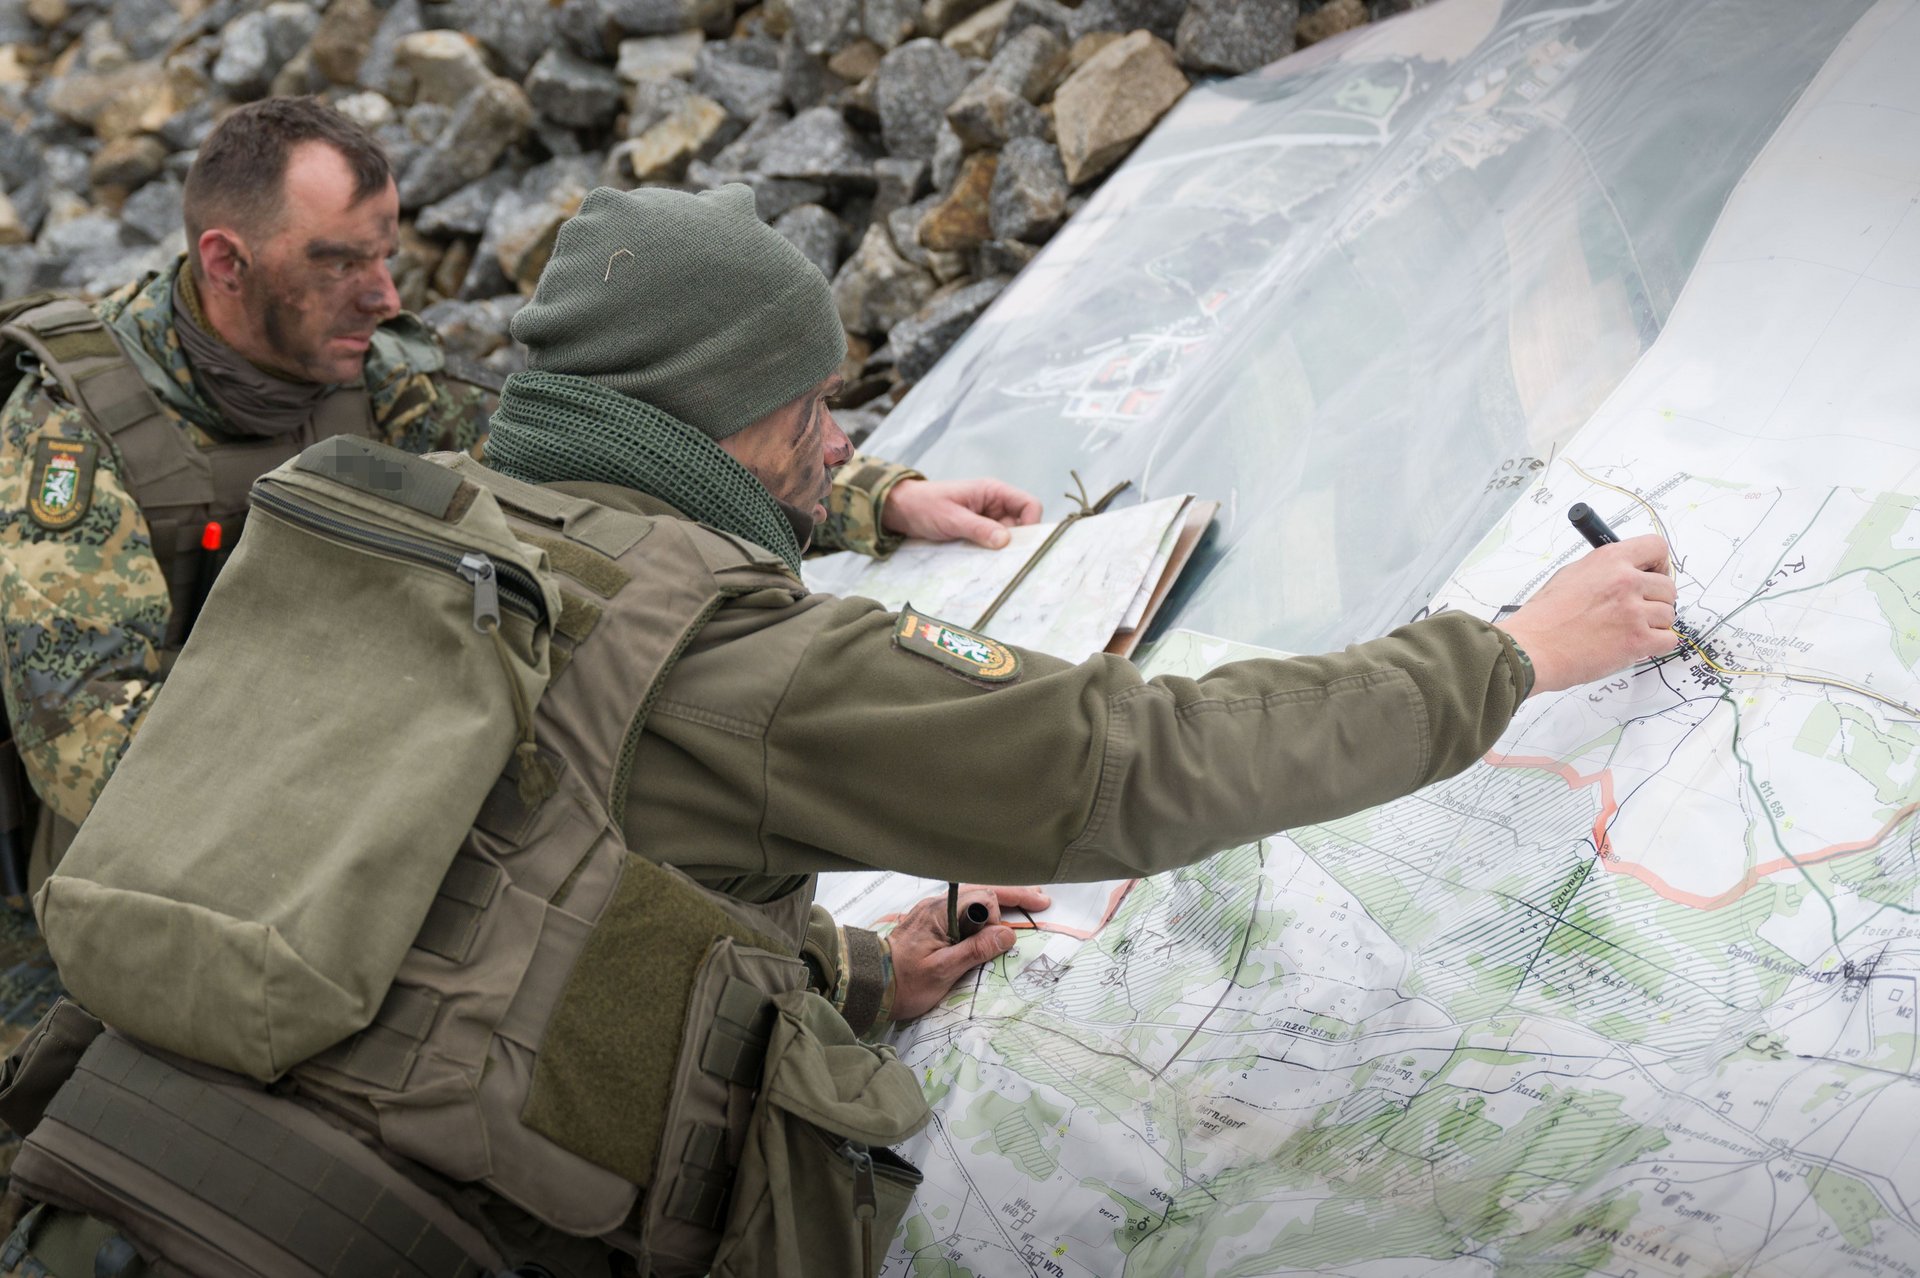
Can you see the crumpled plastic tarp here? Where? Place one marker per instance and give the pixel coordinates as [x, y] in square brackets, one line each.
[1361, 296]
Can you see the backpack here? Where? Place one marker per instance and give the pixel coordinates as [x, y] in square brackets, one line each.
[179, 870]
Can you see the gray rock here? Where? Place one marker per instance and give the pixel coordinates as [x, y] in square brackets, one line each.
[437, 66]
[1029, 196]
[1000, 257]
[557, 139]
[1050, 14]
[26, 269]
[376, 68]
[347, 29]
[1162, 17]
[746, 151]
[919, 342]
[805, 80]
[187, 130]
[516, 32]
[741, 75]
[65, 168]
[425, 121]
[665, 17]
[998, 104]
[876, 288]
[474, 329]
[771, 196]
[103, 272]
[897, 182]
[20, 158]
[659, 57]
[16, 26]
[948, 153]
[903, 224]
[572, 91]
[937, 16]
[128, 163]
[584, 27]
[913, 88]
[145, 27]
[651, 101]
[371, 111]
[889, 22]
[818, 146]
[1235, 37]
[465, 211]
[77, 237]
[816, 233]
[29, 201]
[485, 276]
[180, 163]
[825, 27]
[493, 117]
[290, 25]
[521, 232]
[152, 213]
[244, 67]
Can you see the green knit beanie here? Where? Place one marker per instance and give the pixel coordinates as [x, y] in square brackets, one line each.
[689, 303]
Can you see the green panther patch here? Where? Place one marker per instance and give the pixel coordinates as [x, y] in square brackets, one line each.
[961, 651]
[61, 487]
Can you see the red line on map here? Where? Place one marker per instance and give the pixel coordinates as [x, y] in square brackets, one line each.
[1612, 863]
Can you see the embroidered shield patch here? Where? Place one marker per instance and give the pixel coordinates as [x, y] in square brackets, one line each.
[962, 651]
[61, 486]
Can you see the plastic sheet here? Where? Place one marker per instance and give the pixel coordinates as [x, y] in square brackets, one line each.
[1363, 295]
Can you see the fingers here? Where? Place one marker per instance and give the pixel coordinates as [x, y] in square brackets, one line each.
[1647, 552]
[1019, 506]
[979, 530]
[984, 946]
[1660, 588]
[1011, 898]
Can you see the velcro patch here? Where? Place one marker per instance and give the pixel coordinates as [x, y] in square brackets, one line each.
[61, 487]
[962, 651]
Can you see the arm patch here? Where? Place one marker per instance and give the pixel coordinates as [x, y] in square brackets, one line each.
[61, 487]
[964, 652]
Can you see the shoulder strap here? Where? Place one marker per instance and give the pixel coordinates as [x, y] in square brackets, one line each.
[162, 468]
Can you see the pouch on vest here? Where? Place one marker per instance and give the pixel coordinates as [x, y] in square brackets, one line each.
[262, 858]
[817, 1190]
[43, 1061]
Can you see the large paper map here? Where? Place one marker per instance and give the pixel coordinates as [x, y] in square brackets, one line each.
[1639, 990]
[1634, 995]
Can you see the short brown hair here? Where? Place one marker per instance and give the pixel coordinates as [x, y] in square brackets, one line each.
[238, 178]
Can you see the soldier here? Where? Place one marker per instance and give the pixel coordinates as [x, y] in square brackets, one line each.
[598, 1055]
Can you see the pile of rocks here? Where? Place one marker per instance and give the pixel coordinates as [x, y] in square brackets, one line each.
[918, 151]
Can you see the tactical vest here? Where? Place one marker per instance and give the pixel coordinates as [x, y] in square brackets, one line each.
[575, 1022]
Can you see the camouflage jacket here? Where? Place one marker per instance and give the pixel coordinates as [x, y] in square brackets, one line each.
[83, 610]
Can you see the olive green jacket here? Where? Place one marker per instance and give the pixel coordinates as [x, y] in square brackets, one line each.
[793, 738]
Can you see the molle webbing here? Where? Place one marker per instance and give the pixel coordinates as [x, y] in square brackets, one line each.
[243, 1165]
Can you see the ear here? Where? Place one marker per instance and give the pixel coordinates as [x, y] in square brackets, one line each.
[224, 259]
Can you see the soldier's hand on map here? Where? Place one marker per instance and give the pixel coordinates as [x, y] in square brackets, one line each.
[975, 510]
[1601, 613]
[925, 965]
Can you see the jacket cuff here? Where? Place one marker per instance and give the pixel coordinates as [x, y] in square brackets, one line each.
[869, 981]
[1519, 666]
[856, 504]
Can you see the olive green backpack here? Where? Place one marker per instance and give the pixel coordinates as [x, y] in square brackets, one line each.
[199, 908]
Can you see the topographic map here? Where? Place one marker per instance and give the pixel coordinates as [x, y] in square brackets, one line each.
[1635, 995]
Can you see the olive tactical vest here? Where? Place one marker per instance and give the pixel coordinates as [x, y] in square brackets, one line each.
[575, 1023]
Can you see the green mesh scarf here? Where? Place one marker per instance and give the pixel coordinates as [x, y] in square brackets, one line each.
[551, 428]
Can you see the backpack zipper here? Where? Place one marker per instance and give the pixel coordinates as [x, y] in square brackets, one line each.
[865, 1203]
[495, 582]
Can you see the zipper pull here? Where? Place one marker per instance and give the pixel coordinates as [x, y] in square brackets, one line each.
[478, 569]
[864, 1202]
